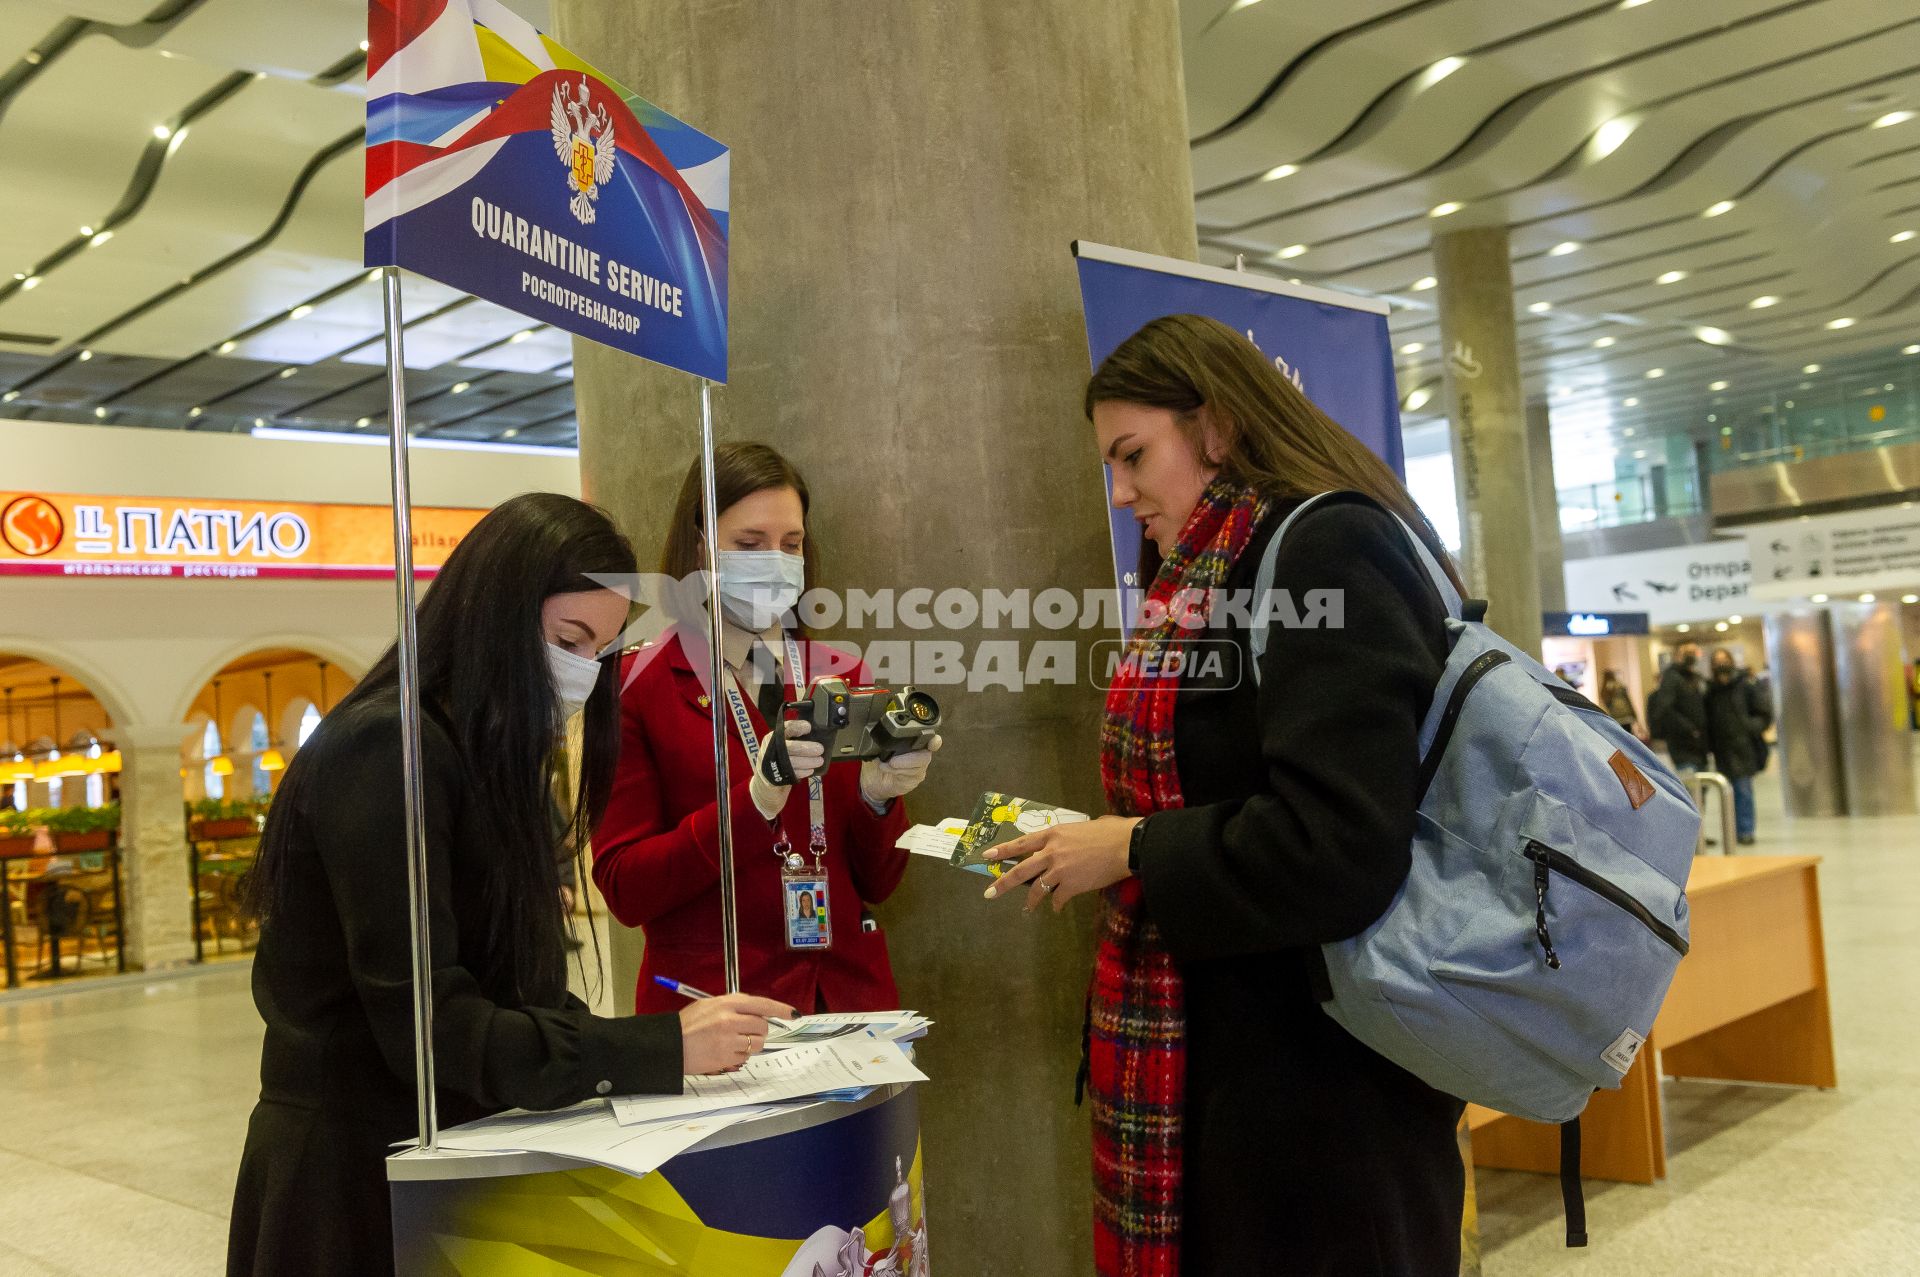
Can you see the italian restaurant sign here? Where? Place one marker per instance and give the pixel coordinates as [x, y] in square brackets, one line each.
[59, 534]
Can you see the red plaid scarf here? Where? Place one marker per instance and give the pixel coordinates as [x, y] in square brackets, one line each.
[1136, 1011]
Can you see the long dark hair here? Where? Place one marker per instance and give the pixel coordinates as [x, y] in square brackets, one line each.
[1271, 435]
[739, 470]
[484, 676]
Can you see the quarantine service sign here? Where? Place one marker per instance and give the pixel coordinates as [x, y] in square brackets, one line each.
[502, 165]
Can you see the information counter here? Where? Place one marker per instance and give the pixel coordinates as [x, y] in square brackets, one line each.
[825, 1191]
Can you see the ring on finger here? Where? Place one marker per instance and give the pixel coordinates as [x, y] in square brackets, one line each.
[1049, 887]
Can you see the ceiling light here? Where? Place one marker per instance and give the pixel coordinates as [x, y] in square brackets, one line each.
[1611, 136]
[1714, 336]
[1640, 454]
[522, 335]
[1602, 343]
[1447, 209]
[1910, 350]
[461, 387]
[1842, 322]
[1628, 432]
[99, 239]
[1761, 303]
[1425, 282]
[1718, 385]
[195, 411]
[10, 396]
[100, 412]
[1633, 4]
[1413, 347]
[1811, 369]
[1418, 399]
[31, 281]
[1441, 70]
[1671, 277]
[1540, 308]
[1735, 620]
[300, 312]
[1867, 598]
[85, 355]
[1291, 251]
[1630, 402]
[1563, 248]
[1684, 629]
[1654, 374]
[1819, 598]
[1910, 598]
[162, 132]
[1279, 171]
[363, 46]
[1891, 118]
[508, 434]
[1562, 392]
[33, 57]
[86, 230]
[1720, 627]
[1901, 237]
[373, 276]
[259, 422]
[226, 347]
[1715, 210]
[287, 372]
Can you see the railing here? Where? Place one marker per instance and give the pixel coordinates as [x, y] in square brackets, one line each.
[63, 895]
[1635, 499]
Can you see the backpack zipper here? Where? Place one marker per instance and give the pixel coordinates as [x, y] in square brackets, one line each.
[1545, 858]
[1483, 665]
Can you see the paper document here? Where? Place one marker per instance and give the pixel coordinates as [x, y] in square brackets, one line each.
[843, 1063]
[894, 1026]
[1001, 818]
[589, 1133]
[934, 840]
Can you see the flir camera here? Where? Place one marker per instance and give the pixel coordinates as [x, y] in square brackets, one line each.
[866, 722]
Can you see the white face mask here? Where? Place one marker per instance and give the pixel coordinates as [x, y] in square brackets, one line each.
[574, 678]
[758, 587]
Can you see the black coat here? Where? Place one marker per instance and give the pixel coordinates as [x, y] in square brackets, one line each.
[332, 980]
[1306, 1152]
[1681, 720]
[1737, 712]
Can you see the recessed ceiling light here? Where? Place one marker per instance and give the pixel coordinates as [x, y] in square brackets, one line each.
[1563, 248]
[1442, 69]
[1901, 237]
[85, 355]
[100, 412]
[1609, 137]
[1633, 4]
[10, 396]
[1291, 251]
[522, 335]
[1843, 322]
[1720, 627]
[1811, 369]
[461, 387]
[1718, 385]
[1630, 402]
[1279, 171]
[99, 239]
[1413, 347]
[1715, 210]
[1447, 209]
[1910, 350]
[1684, 629]
[226, 347]
[86, 231]
[1425, 282]
[287, 372]
[373, 276]
[364, 422]
[1892, 118]
[1639, 454]
[1602, 343]
[1910, 598]
[363, 46]
[1671, 277]
[508, 434]
[1418, 398]
[1629, 430]
[259, 421]
[1819, 598]
[195, 411]
[33, 57]
[300, 312]
[1735, 620]
[1866, 598]
[1761, 303]
[162, 132]
[1713, 336]
[1654, 374]
[1541, 308]
[31, 281]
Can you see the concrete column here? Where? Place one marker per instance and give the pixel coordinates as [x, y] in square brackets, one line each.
[906, 325]
[1489, 428]
[1547, 551]
[153, 842]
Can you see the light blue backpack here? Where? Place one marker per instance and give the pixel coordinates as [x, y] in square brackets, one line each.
[1523, 962]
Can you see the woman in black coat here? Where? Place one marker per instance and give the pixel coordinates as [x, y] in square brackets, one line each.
[511, 635]
[1237, 1127]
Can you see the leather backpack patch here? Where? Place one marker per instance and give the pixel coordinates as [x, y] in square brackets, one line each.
[1640, 790]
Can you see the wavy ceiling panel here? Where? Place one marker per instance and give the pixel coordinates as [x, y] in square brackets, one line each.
[247, 35]
[1234, 52]
[118, 13]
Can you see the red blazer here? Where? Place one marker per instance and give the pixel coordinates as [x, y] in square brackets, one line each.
[656, 854]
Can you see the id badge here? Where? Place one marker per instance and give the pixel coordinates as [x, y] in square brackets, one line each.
[803, 899]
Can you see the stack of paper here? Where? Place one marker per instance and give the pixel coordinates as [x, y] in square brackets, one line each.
[893, 1026]
[862, 1060]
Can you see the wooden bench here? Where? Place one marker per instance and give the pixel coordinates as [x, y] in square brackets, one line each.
[1749, 1004]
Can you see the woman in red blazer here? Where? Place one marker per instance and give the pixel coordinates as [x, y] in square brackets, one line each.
[656, 852]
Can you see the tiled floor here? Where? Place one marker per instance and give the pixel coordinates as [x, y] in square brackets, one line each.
[123, 1106]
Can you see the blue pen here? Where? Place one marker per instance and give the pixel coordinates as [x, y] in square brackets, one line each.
[688, 991]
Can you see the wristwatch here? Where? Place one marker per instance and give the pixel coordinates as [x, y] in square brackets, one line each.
[1136, 845]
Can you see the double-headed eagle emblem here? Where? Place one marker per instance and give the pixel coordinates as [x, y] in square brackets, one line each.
[583, 139]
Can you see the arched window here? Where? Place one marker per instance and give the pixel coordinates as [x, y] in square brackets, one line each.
[209, 749]
[257, 742]
[308, 721]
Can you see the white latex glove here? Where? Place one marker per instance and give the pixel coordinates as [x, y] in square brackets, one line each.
[807, 758]
[884, 779]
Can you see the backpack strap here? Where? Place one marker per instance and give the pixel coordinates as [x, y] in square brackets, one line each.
[1263, 579]
[1571, 1197]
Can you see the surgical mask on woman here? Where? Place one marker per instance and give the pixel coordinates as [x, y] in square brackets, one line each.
[574, 678]
[758, 587]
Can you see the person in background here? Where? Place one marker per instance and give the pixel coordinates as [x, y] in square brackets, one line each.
[1738, 715]
[1677, 710]
[1238, 1129]
[656, 855]
[512, 632]
[1618, 702]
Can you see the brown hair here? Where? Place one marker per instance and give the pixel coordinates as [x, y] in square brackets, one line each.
[739, 471]
[1270, 434]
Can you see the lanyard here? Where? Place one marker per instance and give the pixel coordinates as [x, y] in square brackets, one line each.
[816, 792]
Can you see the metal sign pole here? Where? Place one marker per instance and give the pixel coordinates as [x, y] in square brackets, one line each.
[722, 797]
[411, 768]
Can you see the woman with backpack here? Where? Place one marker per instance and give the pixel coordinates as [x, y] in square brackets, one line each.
[1237, 1127]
